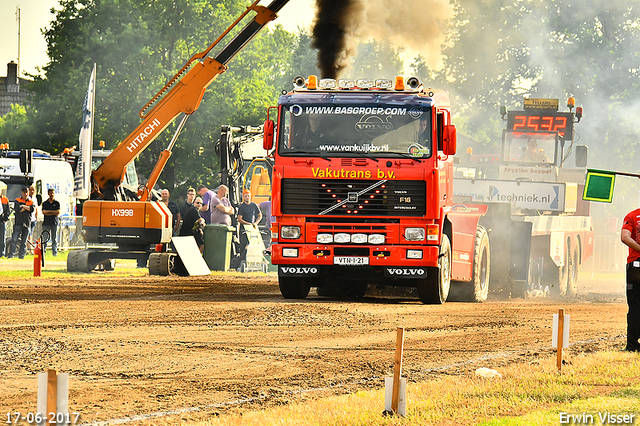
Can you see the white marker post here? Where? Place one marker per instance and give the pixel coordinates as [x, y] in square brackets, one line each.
[560, 337]
[396, 388]
[53, 396]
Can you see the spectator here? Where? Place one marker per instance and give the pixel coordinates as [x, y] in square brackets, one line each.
[207, 195]
[192, 223]
[188, 202]
[22, 206]
[51, 211]
[248, 214]
[173, 208]
[4, 217]
[221, 209]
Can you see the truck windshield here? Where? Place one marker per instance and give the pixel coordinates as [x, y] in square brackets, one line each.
[529, 147]
[345, 130]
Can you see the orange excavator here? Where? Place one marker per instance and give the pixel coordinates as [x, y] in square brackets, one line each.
[131, 222]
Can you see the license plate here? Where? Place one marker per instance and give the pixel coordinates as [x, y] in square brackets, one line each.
[350, 260]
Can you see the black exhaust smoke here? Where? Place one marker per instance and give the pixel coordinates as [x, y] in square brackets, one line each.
[334, 18]
[340, 24]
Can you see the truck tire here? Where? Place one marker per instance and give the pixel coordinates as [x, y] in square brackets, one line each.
[434, 289]
[293, 288]
[476, 290]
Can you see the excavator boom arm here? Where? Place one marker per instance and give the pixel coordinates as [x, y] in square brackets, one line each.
[184, 96]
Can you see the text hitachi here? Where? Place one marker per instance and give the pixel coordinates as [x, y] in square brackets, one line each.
[146, 132]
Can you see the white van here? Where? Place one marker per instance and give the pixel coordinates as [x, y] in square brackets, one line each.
[46, 171]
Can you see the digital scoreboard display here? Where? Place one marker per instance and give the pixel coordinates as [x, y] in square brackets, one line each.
[541, 120]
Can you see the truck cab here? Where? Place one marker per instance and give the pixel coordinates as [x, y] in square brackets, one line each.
[363, 190]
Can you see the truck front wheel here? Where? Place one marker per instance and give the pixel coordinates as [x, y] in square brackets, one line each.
[434, 289]
[293, 287]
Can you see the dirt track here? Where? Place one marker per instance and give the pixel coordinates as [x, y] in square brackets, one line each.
[143, 345]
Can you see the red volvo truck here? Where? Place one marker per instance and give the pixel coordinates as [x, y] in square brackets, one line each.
[362, 193]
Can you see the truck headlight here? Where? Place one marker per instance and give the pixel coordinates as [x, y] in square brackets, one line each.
[289, 252]
[324, 238]
[359, 238]
[376, 239]
[342, 238]
[290, 232]
[414, 234]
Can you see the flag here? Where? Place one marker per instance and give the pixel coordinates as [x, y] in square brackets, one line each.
[85, 145]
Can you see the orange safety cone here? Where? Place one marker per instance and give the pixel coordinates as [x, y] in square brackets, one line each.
[37, 260]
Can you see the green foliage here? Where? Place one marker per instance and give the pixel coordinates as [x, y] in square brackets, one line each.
[18, 125]
[501, 50]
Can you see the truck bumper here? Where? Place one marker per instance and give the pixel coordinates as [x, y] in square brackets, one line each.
[355, 257]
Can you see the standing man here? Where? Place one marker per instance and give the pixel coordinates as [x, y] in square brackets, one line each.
[630, 236]
[191, 223]
[207, 195]
[4, 217]
[248, 214]
[173, 208]
[188, 202]
[22, 206]
[221, 209]
[51, 211]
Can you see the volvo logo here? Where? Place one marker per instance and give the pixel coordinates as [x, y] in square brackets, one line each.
[406, 272]
[289, 270]
[415, 113]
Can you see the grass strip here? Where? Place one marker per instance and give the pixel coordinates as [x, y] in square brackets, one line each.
[531, 393]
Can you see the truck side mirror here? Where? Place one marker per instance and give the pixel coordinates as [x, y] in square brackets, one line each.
[267, 140]
[449, 139]
[582, 155]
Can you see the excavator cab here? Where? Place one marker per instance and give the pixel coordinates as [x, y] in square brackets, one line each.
[258, 179]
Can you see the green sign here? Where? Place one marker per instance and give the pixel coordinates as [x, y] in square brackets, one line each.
[599, 186]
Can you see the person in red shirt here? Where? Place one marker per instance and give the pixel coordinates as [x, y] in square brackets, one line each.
[630, 236]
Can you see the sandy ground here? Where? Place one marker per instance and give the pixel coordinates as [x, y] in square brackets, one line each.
[172, 349]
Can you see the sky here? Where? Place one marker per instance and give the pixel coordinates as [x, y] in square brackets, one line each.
[35, 15]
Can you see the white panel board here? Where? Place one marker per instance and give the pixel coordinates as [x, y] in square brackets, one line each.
[565, 332]
[388, 395]
[190, 255]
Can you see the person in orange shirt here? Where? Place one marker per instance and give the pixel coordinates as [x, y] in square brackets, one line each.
[22, 207]
[4, 217]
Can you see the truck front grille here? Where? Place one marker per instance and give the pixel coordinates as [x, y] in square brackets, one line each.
[320, 197]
